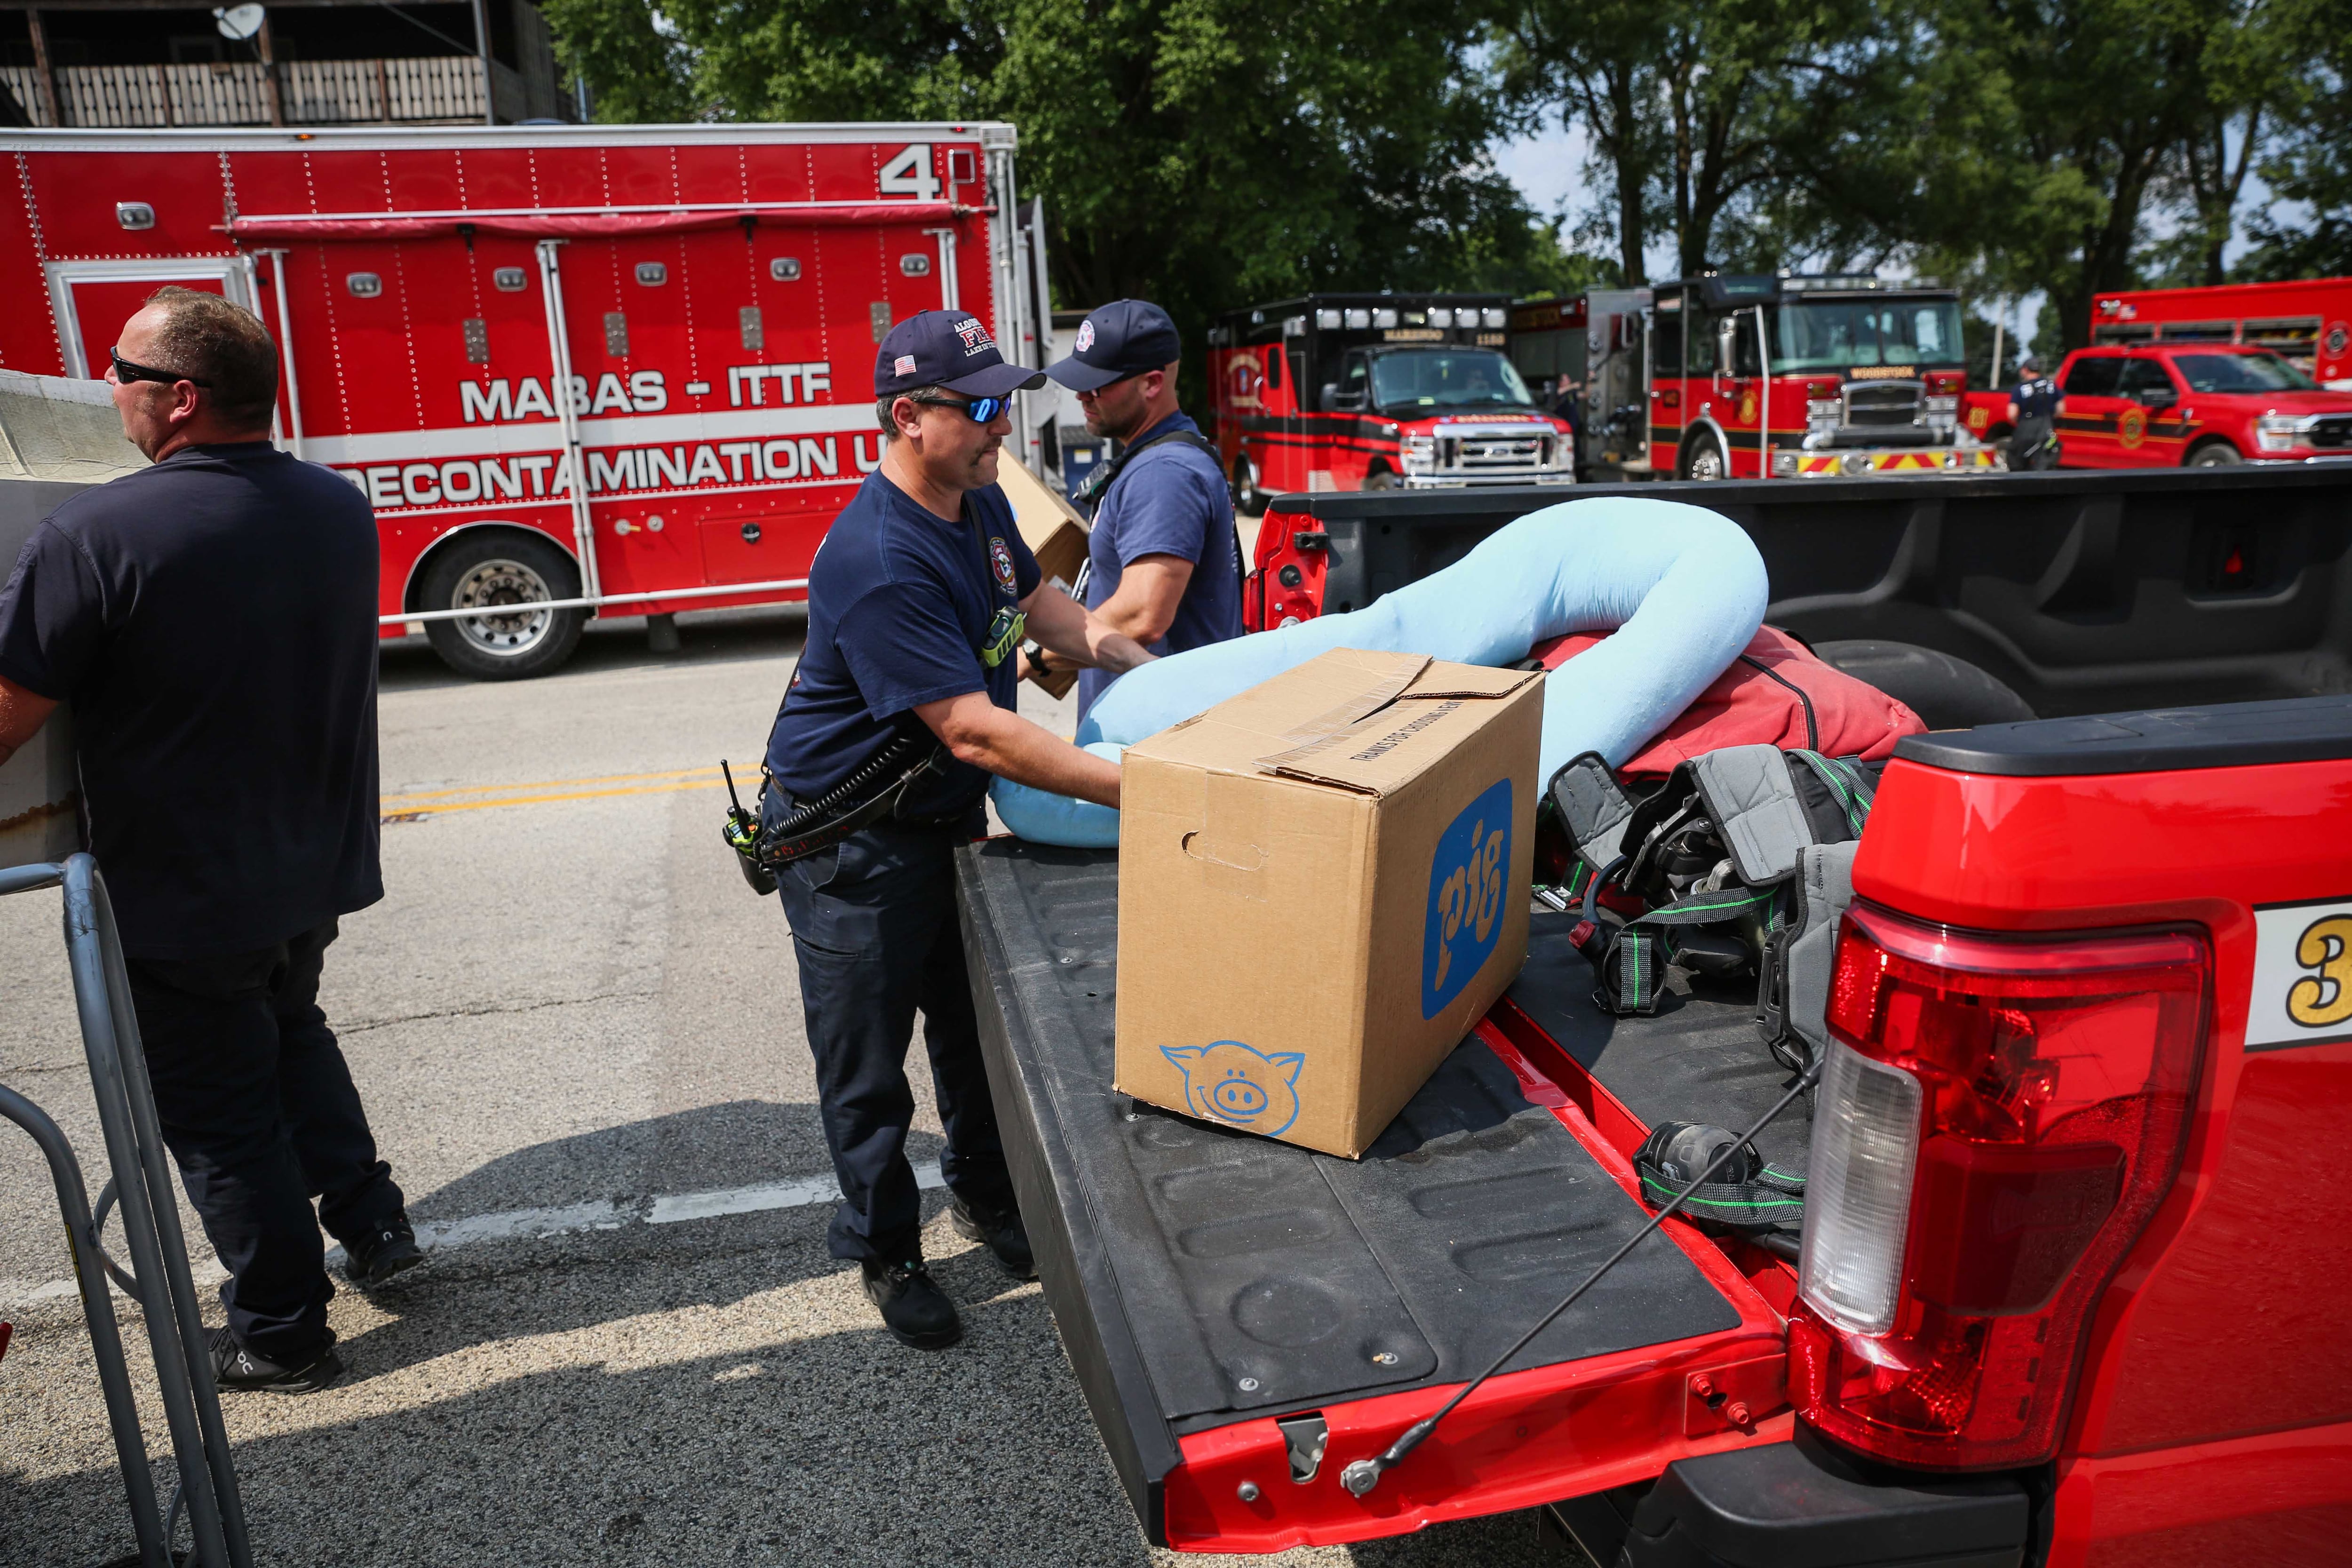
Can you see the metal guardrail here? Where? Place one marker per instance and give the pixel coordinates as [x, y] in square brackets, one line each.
[158, 1278]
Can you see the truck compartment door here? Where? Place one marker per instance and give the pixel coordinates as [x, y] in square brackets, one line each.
[93, 299]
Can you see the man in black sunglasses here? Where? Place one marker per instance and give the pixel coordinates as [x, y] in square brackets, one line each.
[917, 605]
[212, 620]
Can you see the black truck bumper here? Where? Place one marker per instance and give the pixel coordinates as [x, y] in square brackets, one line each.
[1800, 1505]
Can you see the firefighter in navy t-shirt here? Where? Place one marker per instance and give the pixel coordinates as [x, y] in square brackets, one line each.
[917, 606]
[1164, 564]
[2035, 404]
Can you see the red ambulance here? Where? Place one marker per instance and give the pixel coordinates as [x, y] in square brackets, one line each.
[1368, 392]
[576, 370]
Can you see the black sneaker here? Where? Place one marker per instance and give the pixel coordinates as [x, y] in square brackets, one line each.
[914, 1309]
[235, 1367]
[1003, 1233]
[383, 1252]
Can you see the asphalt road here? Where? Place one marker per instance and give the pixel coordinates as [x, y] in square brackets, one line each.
[579, 1038]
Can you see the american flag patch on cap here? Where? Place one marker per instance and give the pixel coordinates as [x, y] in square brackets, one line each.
[903, 365]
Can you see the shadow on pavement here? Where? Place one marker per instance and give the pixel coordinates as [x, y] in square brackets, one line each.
[734, 1143]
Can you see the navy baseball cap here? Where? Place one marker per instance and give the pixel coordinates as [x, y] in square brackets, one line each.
[1124, 338]
[948, 349]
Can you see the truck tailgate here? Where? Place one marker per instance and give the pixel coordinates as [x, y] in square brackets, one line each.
[1208, 1283]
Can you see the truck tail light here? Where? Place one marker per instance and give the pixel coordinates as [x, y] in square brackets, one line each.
[1998, 1120]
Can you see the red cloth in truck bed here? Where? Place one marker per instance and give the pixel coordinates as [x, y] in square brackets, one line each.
[1746, 707]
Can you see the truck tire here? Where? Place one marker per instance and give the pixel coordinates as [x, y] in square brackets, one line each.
[502, 567]
[1248, 500]
[2213, 455]
[1380, 479]
[1703, 461]
[1946, 693]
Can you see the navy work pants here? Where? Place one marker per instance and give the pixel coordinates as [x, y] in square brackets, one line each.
[259, 1111]
[873, 927]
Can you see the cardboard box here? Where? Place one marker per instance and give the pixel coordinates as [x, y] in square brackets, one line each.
[1057, 535]
[1322, 883]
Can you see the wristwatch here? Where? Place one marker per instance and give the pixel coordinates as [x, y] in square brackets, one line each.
[1037, 665]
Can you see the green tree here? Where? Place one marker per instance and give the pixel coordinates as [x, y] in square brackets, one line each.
[2309, 162]
[1204, 153]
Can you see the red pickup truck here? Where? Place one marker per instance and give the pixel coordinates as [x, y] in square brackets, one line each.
[2172, 405]
[2073, 1292]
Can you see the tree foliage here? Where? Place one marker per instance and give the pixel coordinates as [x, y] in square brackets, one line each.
[2065, 146]
[1208, 153]
[1204, 153]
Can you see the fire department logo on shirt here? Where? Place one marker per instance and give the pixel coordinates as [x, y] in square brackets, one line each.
[974, 336]
[1001, 559]
[2132, 428]
[1086, 336]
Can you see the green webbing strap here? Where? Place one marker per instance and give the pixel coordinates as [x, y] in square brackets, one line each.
[1847, 783]
[1773, 1197]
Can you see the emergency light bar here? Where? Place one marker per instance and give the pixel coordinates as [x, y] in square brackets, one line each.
[1833, 281]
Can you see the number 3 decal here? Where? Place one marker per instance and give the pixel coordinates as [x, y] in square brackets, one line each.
[2325, 946]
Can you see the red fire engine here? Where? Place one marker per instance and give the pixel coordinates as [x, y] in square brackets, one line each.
[1699, 379]
[575, 369]
[1347, 392]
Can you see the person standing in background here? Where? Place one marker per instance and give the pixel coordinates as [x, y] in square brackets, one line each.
[1164, 562]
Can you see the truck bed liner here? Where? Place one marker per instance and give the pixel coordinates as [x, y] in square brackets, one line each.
[1201, 1276]
[1700, 1059]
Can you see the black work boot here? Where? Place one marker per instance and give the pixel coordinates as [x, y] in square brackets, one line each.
[237, 1368]
[383, 1252]
[1002, 1230]
[914, 1309]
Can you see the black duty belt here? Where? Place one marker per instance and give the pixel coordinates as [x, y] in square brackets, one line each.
[872, 794]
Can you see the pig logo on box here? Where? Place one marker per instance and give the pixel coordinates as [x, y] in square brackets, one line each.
[1465, 897]
[1232, 1083]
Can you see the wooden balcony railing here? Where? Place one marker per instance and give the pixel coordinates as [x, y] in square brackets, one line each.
[436, 91]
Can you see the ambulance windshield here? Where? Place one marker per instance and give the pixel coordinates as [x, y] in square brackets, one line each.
[1835, 334]
[1446, 378]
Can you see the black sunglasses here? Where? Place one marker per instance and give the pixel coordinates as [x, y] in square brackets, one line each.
[981, 409]
[127, 372]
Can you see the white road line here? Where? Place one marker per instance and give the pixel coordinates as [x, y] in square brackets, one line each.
[522, 1224]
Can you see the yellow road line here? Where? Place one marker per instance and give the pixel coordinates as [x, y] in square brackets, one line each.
[710, 771]
[393, 810]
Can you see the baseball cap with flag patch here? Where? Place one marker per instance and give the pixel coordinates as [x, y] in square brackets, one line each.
[950, 349]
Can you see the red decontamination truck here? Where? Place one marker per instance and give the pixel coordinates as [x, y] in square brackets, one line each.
[617, 369]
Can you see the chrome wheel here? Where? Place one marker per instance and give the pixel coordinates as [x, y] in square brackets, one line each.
[498, 582]
[1706, 463]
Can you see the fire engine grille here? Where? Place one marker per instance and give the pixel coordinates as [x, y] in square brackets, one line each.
[1882, 403]
[2332, 434]
[1492, 453]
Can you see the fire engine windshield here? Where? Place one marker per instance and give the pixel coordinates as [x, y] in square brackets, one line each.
[1446, 378]
[2242, 373]
[1835, 335]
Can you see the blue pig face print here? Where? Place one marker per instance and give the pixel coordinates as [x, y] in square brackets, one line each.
[1467, 876]
[1242, 1087]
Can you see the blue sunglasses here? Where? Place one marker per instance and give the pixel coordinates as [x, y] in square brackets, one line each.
[981, 409]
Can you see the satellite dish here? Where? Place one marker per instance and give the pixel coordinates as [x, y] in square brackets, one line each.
[237, 21]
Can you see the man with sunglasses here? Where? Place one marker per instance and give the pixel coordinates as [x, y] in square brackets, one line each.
[919, 601]
[1164, 564]
[212, 620]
